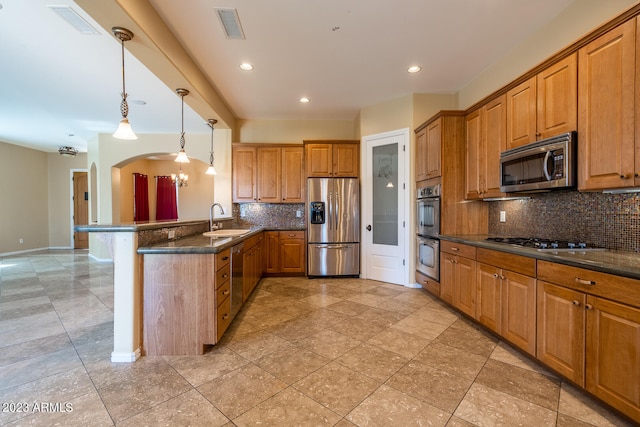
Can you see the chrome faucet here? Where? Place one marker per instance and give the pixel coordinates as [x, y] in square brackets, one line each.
[211, 215]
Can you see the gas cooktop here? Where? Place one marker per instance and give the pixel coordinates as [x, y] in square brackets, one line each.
[546, 244]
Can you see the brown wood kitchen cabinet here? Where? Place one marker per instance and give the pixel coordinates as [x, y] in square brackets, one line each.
[458, 276]
[544, 105]
[607, 122]
[429, 150]
[486, 138]
[588, 335]
[268, 173]
[286, 252]
[338, 159]
[252, 264]
[506, 296]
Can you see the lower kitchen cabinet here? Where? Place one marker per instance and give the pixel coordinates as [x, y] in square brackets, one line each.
[430, 285]
[286, 252]
[506, 296]
[585, 334]
[458, 276]
[252, 261]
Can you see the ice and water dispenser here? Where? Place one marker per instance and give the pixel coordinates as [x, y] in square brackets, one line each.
[317, 212]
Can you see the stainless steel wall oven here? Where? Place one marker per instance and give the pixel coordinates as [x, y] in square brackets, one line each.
[428, 231]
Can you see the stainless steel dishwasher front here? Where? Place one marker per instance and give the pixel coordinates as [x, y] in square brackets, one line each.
[237, 253]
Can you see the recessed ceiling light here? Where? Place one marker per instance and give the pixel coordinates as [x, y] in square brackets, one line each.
[414, 69]
[304, 100]
[246, 66]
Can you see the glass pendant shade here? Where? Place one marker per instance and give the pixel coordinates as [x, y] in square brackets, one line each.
[182, 157]
[211, 170]
[124, 130]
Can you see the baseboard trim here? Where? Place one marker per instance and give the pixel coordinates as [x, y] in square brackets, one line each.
[123, 357]
[23, 252]
[95, 258]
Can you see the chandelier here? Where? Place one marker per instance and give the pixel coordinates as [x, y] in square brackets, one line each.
[181, 179]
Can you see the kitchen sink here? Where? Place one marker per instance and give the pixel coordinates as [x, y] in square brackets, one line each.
[227, 233]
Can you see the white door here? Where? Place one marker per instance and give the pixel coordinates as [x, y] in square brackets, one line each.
[385, 233]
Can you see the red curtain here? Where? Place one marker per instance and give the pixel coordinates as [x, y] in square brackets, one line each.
[166, 204]
[140, 197]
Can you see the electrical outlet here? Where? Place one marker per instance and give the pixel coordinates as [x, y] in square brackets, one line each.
[172, 234]
[299, 214]
[503, 216]
[21, 241]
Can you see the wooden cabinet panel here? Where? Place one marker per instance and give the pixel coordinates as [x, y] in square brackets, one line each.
[464, 297]
[613, 354]
[428, 284]
[319, 160]
[346, 160]
[244, 174]
[333, 159]
[447, 277]
[434, 146]
[561, 330]
[292, 252]
[519, 310]
[521, 114]
[474, 156]
[461, 249]
[557, 98]
[489, 298]
[606, 117]
[293, 188]
[223, 317]
[516, 263]
[421, 154]
[458, 276]
[269, 172]
[272, 252]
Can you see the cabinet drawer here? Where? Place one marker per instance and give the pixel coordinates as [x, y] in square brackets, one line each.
[223, 275]
[296, 235]
[223, 291]
[465, 251]
[428, 283]
[223, 258]
[517, 263]
[617, 288]
[223, 317]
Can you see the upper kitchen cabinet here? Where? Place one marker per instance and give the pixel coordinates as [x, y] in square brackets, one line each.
[268, 173]
[340, 159]
[244, 174]
[485, 140]
[544, 105]
[606, 115]
[428, 150]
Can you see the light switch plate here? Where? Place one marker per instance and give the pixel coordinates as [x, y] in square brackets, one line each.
[503, 216]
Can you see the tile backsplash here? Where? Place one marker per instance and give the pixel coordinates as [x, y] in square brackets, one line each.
[270, 215]
[608, 220]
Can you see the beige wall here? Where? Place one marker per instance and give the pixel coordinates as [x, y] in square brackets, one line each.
[580, 18]
[293, 131]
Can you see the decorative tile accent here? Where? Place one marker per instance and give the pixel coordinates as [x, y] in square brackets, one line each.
[607, 220]
[149, 237]
[270, 215]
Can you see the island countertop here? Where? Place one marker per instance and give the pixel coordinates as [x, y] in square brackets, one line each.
[138, 226]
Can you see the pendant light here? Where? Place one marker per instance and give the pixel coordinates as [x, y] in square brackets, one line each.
[211, 170]
[182, 155]
[124, 130]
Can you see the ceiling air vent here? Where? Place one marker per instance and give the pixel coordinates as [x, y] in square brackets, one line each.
[230, 23]
[72, 17]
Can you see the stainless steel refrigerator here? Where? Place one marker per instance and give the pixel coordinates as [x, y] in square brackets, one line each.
[333, 227]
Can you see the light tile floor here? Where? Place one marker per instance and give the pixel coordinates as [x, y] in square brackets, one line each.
[302, 352]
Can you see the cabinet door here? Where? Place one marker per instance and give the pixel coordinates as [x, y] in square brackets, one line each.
[613, 354]
[561, 330]
[248, 272]
[558, 98]
[434, 143]
[346, 160]
[292, 254]
[292, 175]
[244, 174]
[474, 148]
[319, 160]
[521, 114]
[447, 276]
[606, 118]
[272, 249]
[269, 174]
[421, 154]
[489, 298]
[494, 141]
[519, 310]
[464, 297]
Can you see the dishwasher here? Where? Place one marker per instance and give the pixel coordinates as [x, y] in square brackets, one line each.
[237, 253]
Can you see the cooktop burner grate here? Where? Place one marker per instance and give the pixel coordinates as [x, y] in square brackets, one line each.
[546, 244]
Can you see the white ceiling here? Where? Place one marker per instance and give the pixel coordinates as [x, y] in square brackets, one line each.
[60, 87]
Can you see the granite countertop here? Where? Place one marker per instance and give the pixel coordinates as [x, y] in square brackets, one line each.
[139, 226]
[199, 244]
[621, 263]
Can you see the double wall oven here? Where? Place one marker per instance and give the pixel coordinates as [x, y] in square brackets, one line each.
[428, 231]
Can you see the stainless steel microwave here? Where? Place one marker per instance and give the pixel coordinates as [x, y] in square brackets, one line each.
[542, 165]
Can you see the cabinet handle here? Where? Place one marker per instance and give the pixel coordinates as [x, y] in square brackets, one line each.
[225, 292]
[495, 275]
[575, 302]
[455, 249]
[225, 275]
[637, 175]
[584, 282]
[226, 316]
[625, 176]
[502, 277]
[453, 261]
[588, 306]
[225, 258]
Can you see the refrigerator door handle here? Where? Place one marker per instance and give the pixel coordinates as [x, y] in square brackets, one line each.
[333, 246]
[330, 210]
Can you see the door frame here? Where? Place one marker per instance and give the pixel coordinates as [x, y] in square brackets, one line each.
[404, 171]
[71, 206]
